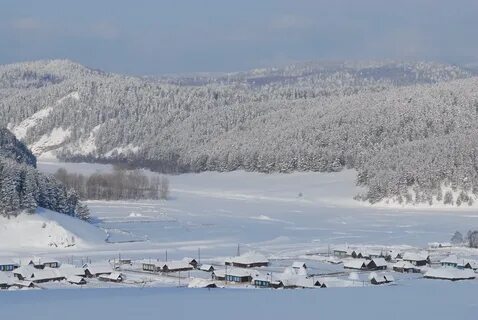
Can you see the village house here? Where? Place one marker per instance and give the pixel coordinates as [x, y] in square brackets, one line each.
[206, 267]
[381, 279]
[341, 252]
[468, 264]
[237, 275]
[450, 261]
[30, 273]
[176, 266]
[417, 259]
[152, 266]
[41, 263]
[96, 270]
[24, 272]
[76, 280]
[377, 264]
[248, 260]
[112, 277]
[355, 264]
[219, 274]
[8, 265]
[405, 266]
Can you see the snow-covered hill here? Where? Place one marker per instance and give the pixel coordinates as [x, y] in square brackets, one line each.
[47, 229]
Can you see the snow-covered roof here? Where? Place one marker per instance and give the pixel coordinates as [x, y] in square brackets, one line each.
[175, 265]
[354, 263]
[75, 279]
[47, 274]
[451, 259]
[71, 270]
[206, 267]
[238, 272]
[7, 262]
[450, 274]
[415, 256]
[42, 260]
[25, 271]
[112, 276]
[99, 268]
[379, 262]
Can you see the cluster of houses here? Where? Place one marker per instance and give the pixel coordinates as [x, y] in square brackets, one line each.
[450, 267]
[32, 272]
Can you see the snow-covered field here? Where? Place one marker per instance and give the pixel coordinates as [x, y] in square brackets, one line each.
[285, 217]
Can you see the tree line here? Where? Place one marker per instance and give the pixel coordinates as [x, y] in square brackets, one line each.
[120, 184]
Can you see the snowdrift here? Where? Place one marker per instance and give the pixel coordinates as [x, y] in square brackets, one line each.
[47, 229]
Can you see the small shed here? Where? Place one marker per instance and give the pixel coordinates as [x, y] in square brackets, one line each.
[340, 252]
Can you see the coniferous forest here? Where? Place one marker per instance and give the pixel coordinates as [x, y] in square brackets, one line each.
[408, 128]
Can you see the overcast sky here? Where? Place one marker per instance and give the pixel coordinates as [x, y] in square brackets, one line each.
[156, 37]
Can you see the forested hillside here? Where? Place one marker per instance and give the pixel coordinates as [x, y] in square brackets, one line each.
[408, 128]
[23, 188]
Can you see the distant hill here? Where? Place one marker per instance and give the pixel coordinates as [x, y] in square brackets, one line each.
[408, 128]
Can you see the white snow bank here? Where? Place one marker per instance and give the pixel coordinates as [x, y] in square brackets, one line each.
[56, 138]
[47, 229]
[21, 130]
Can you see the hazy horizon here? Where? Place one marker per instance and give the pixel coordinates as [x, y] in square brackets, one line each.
[166, 37]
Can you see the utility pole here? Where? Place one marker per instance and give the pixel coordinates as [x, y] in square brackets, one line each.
[238, 250]
[166, 255]
[199, 255]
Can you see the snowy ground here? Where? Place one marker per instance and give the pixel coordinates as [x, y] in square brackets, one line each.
[286, 217]
[276, 214]
[432, 300]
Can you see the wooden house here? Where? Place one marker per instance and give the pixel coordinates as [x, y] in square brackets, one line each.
[219, 274]
[248, 260]
[152, 266]
[112, 277]
[176, 266]
[405, 266]
[450, 261]
[76, 280]
[417, 259]
[381, 279]
[41, 263]
[377, 264]
[451, 274]
[206, 267]
[237, 275]
[357, 264]
[96, 270]
[8, 265]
